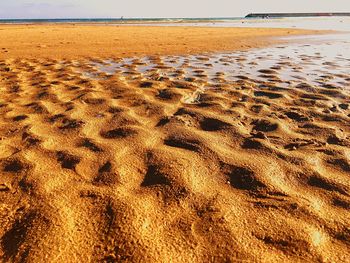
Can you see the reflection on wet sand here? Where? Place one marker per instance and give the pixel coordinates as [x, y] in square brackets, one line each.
[281, 67]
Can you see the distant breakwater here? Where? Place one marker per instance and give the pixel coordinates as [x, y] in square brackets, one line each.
[280, 15]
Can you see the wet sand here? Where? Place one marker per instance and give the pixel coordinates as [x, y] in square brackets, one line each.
[215, 157]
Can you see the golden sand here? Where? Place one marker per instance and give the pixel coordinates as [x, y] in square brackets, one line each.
[151, 167]
[72, 41]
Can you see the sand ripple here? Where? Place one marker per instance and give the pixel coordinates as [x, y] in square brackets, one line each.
[219, 158]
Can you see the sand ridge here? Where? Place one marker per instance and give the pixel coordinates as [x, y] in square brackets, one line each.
[175, 159]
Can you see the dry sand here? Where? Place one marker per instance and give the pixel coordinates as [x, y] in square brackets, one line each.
[152, 165]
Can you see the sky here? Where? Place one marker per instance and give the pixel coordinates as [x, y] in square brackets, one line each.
[160, 8]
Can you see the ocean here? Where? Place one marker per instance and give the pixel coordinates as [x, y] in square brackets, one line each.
[322, 23]
[115, 20]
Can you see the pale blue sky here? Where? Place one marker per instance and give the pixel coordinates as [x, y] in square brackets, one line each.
[160, 8]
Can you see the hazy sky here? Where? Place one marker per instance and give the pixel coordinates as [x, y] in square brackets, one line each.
[161, 8]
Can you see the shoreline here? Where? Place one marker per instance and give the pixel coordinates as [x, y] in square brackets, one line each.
[70, 41]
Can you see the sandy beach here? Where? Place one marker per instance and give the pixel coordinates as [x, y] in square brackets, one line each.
[157, 144]
[110, 41]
